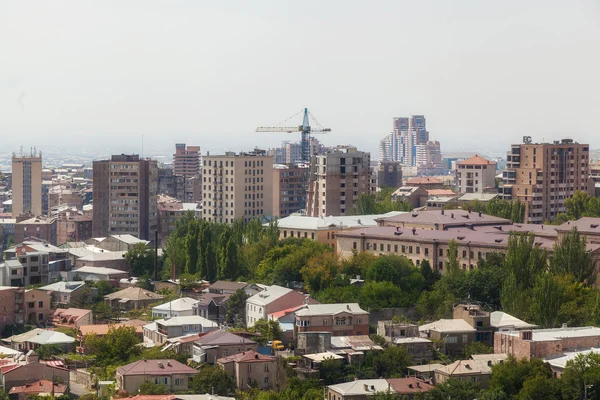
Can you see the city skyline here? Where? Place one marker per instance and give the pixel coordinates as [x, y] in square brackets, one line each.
[211, 73]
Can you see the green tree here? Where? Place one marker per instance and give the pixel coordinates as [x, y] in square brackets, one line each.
[476, 348]
[320, 271]
[546, 301]
[46, 351]
[582, 204]
[580, 373]
[236, 309]
[211, 378]
[268, 329]
[141, 260]
[389, 363]
[378, 295]
[510, 376]
[540, 388]
[331, 371]
[452, 264]
[570, 256]
[151, 388]
[454, 389]
[118, 345]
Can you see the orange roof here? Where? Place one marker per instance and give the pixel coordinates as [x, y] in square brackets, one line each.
[42, 386]
[441, 192]
[476, 160]
[104, 328]
[70, 315]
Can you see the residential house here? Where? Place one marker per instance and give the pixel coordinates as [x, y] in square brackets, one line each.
[408, 387]
[309, 364]
[546, 343]
[287, 322]
[274, 298]
[37, 306]
[12, 307]
[226, 287]
[35, 338]
[64, 293]
[170, 373]
[559, 363]
[43, 228]
[32, 370]
[160, 330]
[119, 242]
[180, 307]
[419, 349]
[479, 319]
[415, 196]
[42, 263]
[212, 306]
[72, 317]
[42, 387]
[501, 321]
[358, 389]
[132, 298]
[218, 344]
[250, 368]
[354, 349]
[390, 330]
[478, 369]
[96, 274]
[344, 319]
[454, 333]
[178, 397]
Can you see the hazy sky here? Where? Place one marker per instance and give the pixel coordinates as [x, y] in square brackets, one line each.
[99, 74]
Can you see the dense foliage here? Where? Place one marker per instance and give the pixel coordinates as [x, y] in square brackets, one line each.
[508, 209]
[379, 203]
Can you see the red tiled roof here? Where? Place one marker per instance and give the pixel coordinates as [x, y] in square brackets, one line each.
[476, 160]
[42, 386]
[283, 313]
[7, 368]
[409, 385]
[246, 357]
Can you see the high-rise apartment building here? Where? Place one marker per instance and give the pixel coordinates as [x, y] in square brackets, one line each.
[27, 184]
[291, 152]
[401, 144]
[337, 178]
[186, 160]
[125, 197]
[429, 159]
[543, 175]
[289, 189]
[237, 186]
[475, 175]
[186, 163]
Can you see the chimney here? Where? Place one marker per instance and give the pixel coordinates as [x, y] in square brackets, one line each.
[451, 215]
[442, 211]
[480, 214]
[348, 307]
[366, 387]
[414, 230]
[564, 326]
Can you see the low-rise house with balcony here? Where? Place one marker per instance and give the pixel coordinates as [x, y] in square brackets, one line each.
[170, 373]
[37, 306]
[132, 298]
[41, 262]
[479, 319]
[181, 307]
[391, 330]
[455, 334]
[272, 299]
[159, 331]
[42, 387]
[250, 369]
[72, 317]
[419, 349]
[209, 347]
[345, 319]
[64, 293]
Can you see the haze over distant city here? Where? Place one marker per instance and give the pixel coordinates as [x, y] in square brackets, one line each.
[102, 74]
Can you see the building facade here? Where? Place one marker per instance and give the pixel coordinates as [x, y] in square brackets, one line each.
[346, 319]
[401, 144]
[27, 184]
[544, 175]
[125, 192]
[237, 186]
[337, 179]
[289, 189]
[186, 163]
[389, 174]
[475, 175]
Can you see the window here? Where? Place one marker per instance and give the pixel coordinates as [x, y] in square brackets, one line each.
[465, 338]
[179, 382]
[40, 304]
[266, 379]
[354, 245]
[31, 304]
[40, 317]
[266, 367]
[325, 322]
[451, 339]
